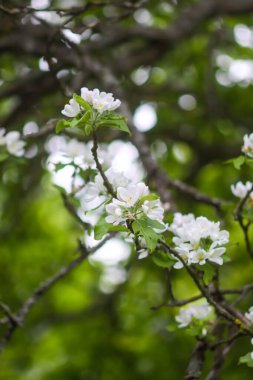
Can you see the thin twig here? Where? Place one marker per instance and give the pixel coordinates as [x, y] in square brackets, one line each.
[94, 151]
[244, 226]
[19, 318]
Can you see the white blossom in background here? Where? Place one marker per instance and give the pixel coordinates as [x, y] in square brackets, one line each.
[97, 189]
[188, 314]
[198, 240]
[13, 142]
[240, 190]
[74, 149]
[247, 147]
[100, 101]
[143, 252]
[72, 109]
[249, 314]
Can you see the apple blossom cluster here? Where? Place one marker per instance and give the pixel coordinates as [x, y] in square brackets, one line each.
[247, 147]
[131, 204]
[100, 101]
[191, 313]
[12, 142]
[240, 190]
[198, 240]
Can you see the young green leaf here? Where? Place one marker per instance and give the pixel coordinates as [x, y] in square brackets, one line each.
[140, 227]
[162, 259]
[85, 105]
[117, 123]
[153, 223]
[84, 119]
[237, 161]
[246, 359]
[209, 272]
[149, 197]
[102, 228]
[62, 124]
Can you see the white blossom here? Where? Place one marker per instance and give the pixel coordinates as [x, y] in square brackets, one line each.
[198, 240]
[129, 196]
[72, 109]
[143, 251]
[240, 190]
[114, 214]
[14, 144]
[247, 147]
[97, 188]
[153, 209]
[101, 101]
[188, 314]
[74, 149]
[249, 315]
[87, 94]
[127, 201]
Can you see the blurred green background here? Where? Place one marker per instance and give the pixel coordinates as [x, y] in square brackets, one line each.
[88, 326]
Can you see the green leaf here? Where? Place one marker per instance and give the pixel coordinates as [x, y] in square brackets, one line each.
[88, 174]
[84, 119]
[74, 122]
[149, 197]
[58, 166]
[62, 124]
[248, 214]
[117, 123]
[246, 359]
[163, 260]
[88, 129]
[237, 162]
[140, 227]
[209, 272]
[82, 102]
[102, 228]
[226, 258]
[153, 223]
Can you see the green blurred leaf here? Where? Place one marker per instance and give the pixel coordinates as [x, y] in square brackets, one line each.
[246, 359]
[114, 122]
[162, 259]
[209, 271]
[62, 124]
[85, 105]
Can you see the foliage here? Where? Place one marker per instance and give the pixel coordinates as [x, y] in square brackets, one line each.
[107, 317]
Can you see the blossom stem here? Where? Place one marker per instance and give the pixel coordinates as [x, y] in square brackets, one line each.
[244, 226]
[94, 151]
